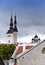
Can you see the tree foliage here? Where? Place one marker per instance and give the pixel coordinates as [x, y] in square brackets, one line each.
[6, 50]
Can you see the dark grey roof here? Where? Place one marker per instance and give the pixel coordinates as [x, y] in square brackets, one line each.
[9, 31]
[12, 30]
[15, 30]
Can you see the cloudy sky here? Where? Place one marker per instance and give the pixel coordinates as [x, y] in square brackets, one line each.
[30, 18]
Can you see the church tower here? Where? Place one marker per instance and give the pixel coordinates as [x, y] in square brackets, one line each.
[12, 32]
[15, 30]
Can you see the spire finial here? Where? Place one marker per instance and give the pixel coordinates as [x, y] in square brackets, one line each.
[11, 17]
[11, 14]
[15, 16]
[15, 22]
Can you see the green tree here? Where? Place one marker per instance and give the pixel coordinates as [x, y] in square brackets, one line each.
[6, 50]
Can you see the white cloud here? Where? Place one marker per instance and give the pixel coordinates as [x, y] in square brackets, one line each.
[28, 38]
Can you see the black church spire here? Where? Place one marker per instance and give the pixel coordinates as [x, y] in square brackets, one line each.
[11, 22]
[15, 24]
[11, 25]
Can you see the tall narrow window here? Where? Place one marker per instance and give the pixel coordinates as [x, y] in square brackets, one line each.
[8, 41]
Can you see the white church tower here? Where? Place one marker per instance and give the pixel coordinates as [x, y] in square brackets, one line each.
[12, 32]
[15, 30]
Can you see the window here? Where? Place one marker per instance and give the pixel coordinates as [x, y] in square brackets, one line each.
[43, 50]
[9, 35]
[8, 41]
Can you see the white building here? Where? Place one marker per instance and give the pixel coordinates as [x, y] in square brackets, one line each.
[12, 32]
[21, 49]
[33, 56]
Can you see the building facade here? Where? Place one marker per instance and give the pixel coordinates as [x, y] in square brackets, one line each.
[21, 48]
[34, 56]
[12, 32]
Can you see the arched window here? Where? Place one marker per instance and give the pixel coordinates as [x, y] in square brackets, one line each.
[43, 50]
[1, 61]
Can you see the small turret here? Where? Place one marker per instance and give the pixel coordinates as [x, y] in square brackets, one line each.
[35, 39]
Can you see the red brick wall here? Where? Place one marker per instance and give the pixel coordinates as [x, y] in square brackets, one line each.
[28, 47]
[19, 50]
